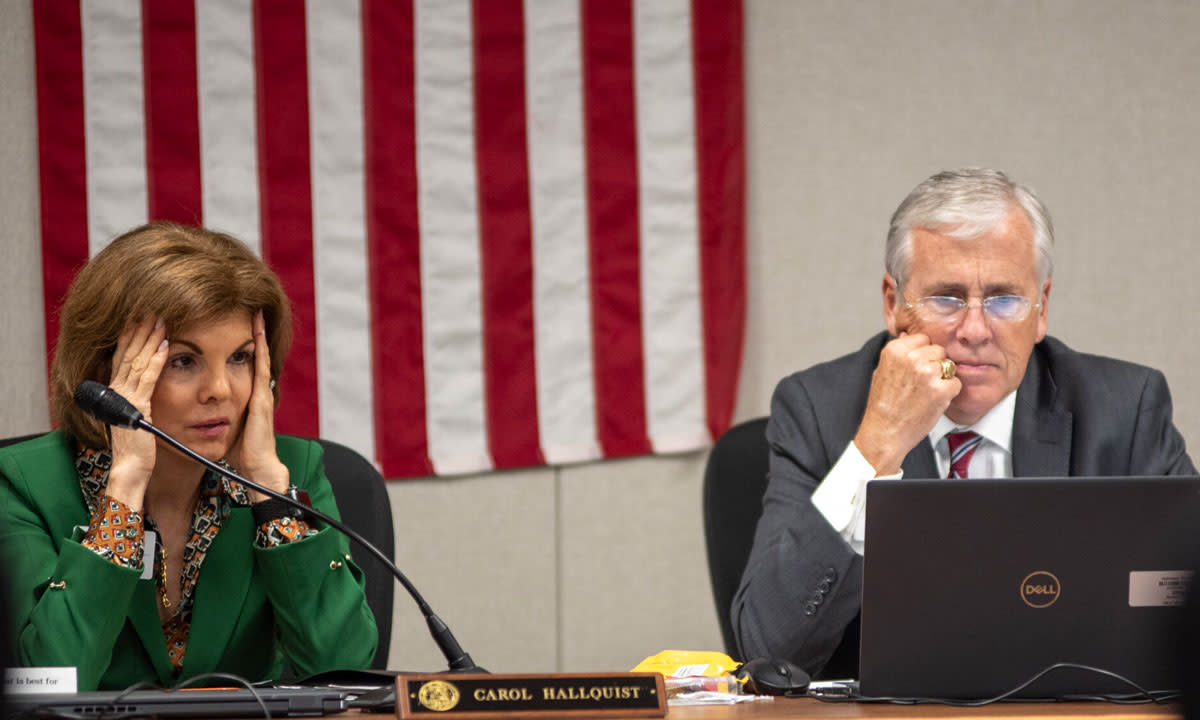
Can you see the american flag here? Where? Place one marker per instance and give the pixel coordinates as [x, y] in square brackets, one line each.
[512, 231]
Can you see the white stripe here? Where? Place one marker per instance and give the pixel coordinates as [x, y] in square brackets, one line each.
[450, 262]
[558, 204]
[228, 124]
[114, 118]
[670, 265]
[344, 378]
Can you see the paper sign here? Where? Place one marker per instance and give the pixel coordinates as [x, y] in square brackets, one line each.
[39, 680]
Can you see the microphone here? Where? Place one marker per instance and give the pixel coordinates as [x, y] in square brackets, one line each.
[111, 408]
[106, 405]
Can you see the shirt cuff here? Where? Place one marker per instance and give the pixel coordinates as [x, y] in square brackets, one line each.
[282, 530]
[116, 533]
[841, 495]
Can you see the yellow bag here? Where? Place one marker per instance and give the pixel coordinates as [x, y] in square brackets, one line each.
[676, 663]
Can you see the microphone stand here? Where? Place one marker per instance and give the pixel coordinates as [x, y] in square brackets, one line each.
[458, 660]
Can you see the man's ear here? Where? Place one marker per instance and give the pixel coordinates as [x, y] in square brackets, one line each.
[891, 309]
[1044, 313]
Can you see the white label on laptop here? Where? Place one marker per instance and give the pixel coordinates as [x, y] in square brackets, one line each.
[37, 680]
[1158, 588]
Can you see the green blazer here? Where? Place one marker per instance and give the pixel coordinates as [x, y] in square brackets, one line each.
[299, 607]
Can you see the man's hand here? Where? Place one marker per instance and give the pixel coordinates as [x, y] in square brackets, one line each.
[908, 395]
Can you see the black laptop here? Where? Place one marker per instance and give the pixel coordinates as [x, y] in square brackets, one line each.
[232, 702]
[972, 587]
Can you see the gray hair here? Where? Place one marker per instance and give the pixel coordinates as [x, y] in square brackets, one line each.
[965, 204]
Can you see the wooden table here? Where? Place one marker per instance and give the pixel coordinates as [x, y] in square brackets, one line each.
[809, 708]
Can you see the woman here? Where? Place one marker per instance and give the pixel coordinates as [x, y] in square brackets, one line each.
[129, 560]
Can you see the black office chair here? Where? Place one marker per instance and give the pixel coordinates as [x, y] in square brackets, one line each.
[18, 439]
[362, 500]
[363, 503]
[734, 482]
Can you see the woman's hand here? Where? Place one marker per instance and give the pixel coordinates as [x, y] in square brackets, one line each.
[253, 455]
[136, 364]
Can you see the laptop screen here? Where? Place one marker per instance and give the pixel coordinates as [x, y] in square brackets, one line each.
[972, 587]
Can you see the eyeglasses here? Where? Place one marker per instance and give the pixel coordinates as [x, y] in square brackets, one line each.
[944, 308]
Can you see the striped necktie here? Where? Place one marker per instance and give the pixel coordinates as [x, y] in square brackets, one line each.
[962, 447]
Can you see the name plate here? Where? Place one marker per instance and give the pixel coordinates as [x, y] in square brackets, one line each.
[531, 695]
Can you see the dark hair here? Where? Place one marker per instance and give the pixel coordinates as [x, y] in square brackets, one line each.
[179, 273]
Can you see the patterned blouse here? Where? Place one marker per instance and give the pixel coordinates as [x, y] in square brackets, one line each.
[118, 533]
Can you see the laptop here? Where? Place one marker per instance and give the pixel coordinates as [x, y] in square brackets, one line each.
[972, 587]
[222, 702]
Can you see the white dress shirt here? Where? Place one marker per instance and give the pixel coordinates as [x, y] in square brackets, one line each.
[841, 496]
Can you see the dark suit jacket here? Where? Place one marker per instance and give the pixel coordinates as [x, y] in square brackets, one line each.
[257, 610]
[1076, 414]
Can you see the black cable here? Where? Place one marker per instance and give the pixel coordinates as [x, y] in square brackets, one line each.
[291, 502]
[1140, 697]
[457, 658]
[109, 407]
[228, 676]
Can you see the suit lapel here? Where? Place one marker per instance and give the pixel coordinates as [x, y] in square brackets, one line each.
[143, 615]
[220, 593]
[72, 522]
[920, 463]
[1041, 441]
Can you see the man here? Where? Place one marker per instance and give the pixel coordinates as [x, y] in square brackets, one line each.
[965, 300]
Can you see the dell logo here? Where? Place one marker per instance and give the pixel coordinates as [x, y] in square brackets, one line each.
[1040, 589]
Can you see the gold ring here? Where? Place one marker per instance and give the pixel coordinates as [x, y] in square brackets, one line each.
[947, 368]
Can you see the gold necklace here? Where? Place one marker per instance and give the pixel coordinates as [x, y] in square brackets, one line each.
[162, 573]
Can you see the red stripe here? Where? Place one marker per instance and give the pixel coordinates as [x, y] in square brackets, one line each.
[393, 238]
[610, 132]
[172, 111]
[506, 234]
[285, 191]
[62, 154]
[721, 167]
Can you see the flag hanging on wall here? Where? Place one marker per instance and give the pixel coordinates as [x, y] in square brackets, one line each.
[512, 231]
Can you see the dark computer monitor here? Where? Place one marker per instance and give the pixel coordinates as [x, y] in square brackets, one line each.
[971, 587]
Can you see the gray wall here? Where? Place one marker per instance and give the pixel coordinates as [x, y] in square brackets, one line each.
[849, 104]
